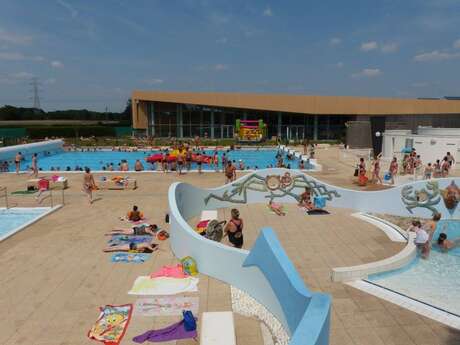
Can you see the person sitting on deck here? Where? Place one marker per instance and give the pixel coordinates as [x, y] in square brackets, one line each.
[135, 215]
[133, 248]
[137, 230]
[305, 199]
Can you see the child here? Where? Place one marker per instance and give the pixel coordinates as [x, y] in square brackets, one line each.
[421, 238]
[428, 171]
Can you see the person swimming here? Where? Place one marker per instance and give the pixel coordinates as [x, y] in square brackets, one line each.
[445, 245]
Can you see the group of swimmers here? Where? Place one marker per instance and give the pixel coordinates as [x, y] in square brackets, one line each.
[424, 237]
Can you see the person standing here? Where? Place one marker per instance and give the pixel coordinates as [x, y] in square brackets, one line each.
[188, 159]
[376, 172]
[450, 159]
[393, 170]
[88, 184]
[180, 162]
[17, 162]
[199, 162]
[230, 172]
[437, 169]
[445, 166]
[34, 165]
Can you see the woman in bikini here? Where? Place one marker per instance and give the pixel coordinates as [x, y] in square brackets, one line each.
[180, 162]
[393, 170]
[133, 248]
[376, 172]
[234, 229]
[88, 184]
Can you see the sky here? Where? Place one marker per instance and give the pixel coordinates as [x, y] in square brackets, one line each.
[93, 53]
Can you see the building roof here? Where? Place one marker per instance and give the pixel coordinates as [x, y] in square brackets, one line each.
[305, 104]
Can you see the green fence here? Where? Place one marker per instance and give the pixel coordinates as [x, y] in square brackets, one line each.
[123, 131]
[13, 133]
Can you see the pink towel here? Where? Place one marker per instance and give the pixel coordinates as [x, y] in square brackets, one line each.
[170, 271]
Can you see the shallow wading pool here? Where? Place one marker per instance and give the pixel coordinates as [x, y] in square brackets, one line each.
[434, 281]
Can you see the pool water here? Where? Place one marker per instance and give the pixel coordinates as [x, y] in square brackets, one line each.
[252, 159]
[435, 281]
[14, 219]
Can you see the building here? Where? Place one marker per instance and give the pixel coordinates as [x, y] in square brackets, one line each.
[187, 114]
[430, 143]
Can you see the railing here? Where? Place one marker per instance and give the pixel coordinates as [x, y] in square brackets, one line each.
[4, 194]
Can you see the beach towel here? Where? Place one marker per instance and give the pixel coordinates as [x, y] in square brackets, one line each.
[124, 239]
[112, 323]
[145, 285]
[168, 306]
[170, 271]
[24, 192]
[173, 332]
[136, 258]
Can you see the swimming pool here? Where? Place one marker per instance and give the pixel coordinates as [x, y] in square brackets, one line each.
[13, 220]
[434, 281]
[97, 160]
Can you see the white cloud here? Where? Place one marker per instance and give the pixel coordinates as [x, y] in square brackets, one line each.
[457, 44]
[436, 55]
[12, 56]
[368, 46]
[72, 11]
[16, 56]
[222, 40]
[220, 67]
[267, 12]
[57, 64]
[335, 41]
[22, 75]
[339, 64]
[13, 38]
[389, 47]
[367, 73]
[154, 81]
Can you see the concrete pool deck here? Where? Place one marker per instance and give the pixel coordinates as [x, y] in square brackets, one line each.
[54, 275]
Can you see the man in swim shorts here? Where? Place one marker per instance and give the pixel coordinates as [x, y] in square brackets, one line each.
[137, 230]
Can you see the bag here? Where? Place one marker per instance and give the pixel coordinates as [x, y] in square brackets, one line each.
[189, 321]
[356, 173]
[167, 218]
[387, 176]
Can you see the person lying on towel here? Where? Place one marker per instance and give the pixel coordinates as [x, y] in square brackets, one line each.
[133, 248]
[137, 230]
[276, 208]
[305, 199]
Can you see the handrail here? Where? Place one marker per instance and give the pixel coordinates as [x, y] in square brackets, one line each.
[5, 195]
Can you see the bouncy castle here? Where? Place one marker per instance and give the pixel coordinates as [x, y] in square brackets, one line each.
[250, 130]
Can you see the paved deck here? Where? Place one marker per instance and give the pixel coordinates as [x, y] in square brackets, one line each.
[54, 276]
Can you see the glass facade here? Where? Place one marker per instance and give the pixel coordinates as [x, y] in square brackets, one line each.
[188, 120]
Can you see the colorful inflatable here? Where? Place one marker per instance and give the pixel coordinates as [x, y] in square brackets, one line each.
[172, 157]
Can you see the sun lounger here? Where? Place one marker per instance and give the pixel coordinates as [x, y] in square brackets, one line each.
[217, 328]
[59, 184]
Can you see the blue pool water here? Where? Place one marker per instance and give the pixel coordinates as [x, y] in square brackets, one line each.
[13, 218]
[435, 281]
[96, 160]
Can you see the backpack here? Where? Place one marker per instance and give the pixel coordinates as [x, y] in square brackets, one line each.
[189, 320]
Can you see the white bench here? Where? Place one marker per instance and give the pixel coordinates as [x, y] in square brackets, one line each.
[208, 215]
[217, 328]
